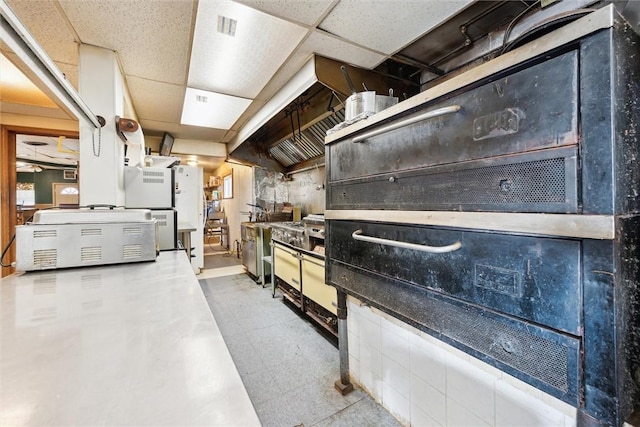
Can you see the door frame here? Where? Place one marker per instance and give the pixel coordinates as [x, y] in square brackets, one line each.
[8, 179]
[54, 192]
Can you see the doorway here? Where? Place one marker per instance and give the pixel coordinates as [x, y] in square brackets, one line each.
[8, 180]
[65, 195]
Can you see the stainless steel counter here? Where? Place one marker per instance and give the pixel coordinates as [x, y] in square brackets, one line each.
[130, 344]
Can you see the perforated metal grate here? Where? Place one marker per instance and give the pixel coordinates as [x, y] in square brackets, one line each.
[540, 185]
[528, 353]
[533, 351]
[541, 181]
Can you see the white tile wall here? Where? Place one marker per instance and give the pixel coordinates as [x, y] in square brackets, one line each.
[425, 382]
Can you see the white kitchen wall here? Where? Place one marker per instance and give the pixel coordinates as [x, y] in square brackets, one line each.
[425, 382]
[242, 194]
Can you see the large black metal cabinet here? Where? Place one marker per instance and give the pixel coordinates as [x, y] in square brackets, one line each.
[522, 174]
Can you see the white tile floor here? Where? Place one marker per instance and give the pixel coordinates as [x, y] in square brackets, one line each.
[287, 366]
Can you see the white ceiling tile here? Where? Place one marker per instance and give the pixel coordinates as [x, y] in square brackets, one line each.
[388, 25]
[322, 44]
[70, 72]
[284, 74]
[325, 45]
[240, 65]
[151, 37]
[306, 12]
[156, 100]
[55, 37]
[64, 151]
[153, 127]
[33, 110]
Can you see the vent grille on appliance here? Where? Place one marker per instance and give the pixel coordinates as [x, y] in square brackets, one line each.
[527, 186]
[132, 230]
[131, 251]
[161, 219]
[539, 181]
[91, 254]
[45, 233]
[91, 232]
[152, 177]
[307, 145]
[546, 356]
[45, 258]
[528, 353]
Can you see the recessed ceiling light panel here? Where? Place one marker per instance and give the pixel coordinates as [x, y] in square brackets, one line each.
[219, 111]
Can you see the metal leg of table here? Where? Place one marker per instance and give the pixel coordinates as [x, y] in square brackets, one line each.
[266, 260]
[185, 238]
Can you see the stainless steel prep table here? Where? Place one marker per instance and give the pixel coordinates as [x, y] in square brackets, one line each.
[129, 344]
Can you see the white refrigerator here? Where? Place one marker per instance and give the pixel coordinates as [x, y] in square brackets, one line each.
[190, 204]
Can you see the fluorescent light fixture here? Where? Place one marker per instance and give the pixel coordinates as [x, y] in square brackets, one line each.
[219, 111]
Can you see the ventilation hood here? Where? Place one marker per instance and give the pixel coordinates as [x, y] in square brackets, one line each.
[288, 132]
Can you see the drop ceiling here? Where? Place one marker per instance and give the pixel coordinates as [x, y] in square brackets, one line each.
[46, 152]
[241, 54]
[167, 47]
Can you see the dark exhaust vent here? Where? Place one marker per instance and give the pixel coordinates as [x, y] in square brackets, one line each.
[306, 145]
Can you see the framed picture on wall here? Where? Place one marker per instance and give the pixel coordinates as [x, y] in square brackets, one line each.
[227, 185]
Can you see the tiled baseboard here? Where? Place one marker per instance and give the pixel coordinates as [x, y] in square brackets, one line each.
[423, 381]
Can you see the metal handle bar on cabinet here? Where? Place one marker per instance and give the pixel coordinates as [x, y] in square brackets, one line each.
[357, 235]
[411, 120]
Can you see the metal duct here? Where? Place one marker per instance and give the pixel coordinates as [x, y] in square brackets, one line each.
[290, 129]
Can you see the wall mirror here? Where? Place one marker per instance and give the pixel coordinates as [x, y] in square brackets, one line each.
[227, 185]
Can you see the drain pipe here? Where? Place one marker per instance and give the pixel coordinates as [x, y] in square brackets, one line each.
[344, 385]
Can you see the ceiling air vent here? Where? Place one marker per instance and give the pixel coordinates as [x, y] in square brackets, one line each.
[227, 26]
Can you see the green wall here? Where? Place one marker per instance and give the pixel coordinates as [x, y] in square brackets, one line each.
[42, 183]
